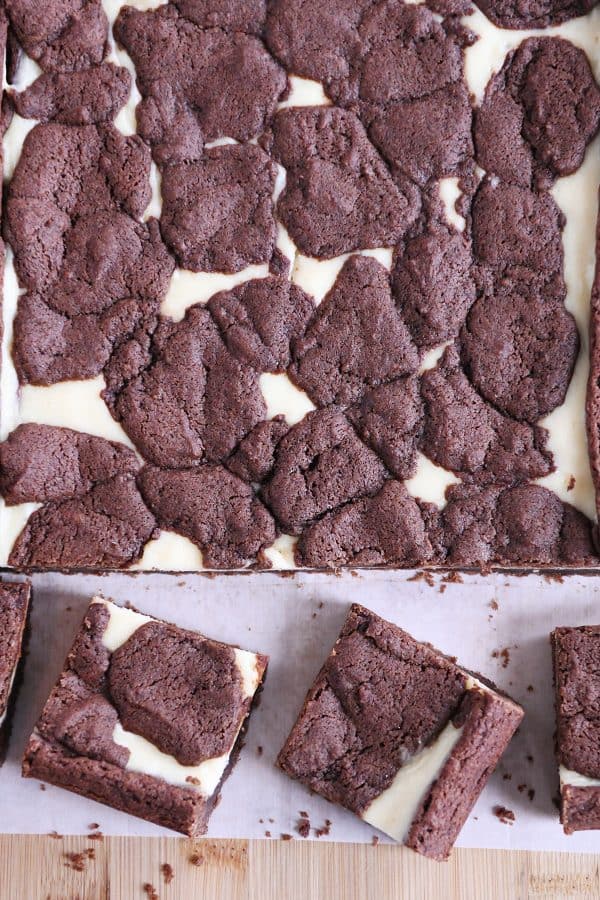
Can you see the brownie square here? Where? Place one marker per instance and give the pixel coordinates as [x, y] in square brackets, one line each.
[14, 607]
[396, 732]
[576, 663]
[146, 717]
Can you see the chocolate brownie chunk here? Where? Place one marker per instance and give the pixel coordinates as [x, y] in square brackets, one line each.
[14, 607]
[213, 508]
[92, 514]
[39, 463]
[539, 113]
[259, 318]
[592, 403]
[386, 529]
[465, 434]
[226, 79]
[356, 340]
[179, 393]
[217, 212]
[519, 346]
[383, 701]
[229, 15]
[254, 456]
[433, 285]
[389, 418]
[130, 677]
[575, 655]
[521, 525]
[513, 226]
[533, 13]
[319, 464]
[91, 270]
[63, 35]
[339, 195]
[106, 528]
[94, 95]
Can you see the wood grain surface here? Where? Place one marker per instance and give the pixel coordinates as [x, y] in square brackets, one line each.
[77, 868]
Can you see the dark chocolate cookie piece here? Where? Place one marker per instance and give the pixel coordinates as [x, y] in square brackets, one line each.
[521, 525]
[40, 463]
[192, 705]
[356, 340]
[93, 95]
[386, 529]
[465, 434]
[213, 508]
[227, 80]
[519, 346]
[433, 285]
[179, 393]
[217, 213]
[339, 195]
[61, 35]
[254, 456]
[320, 464]
[259, 318]
[577, 682]
[104, 529]
[389, 418]
[539, 113]
[85, 727]
[513, 226]
[533, 13]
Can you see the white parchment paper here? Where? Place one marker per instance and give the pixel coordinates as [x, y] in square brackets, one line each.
[296, 620]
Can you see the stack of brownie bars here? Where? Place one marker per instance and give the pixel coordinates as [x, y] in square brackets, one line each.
[297, 284]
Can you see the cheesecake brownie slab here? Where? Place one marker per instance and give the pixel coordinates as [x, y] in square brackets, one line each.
[576, 661]
[396, 732]
[146, 717]
[14, 606]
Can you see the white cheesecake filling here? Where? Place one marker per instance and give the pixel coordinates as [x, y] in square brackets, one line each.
[281, 552]
[283, 398]
[430, 482]
[449, 194]
[395, 809]
[144, 756]
[317, 276]
[305, 92]
[575, 779]
[170, 552]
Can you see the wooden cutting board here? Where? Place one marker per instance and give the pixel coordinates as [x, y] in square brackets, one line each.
[77, 868]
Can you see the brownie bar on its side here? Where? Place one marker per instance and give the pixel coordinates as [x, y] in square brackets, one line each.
[396, 732]
[576, 663]
[146, 717]
[592, 406]
[14, 606]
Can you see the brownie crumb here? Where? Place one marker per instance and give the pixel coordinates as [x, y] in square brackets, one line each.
[55, 835]
[78, 861]
[286, 837]
[530, 689]
[303, 827]
[556, 801]
[505, 815]
[453, 578]
[507, 776]
[94, 826]
[167, 873]
[529, 758]
[442, 588]
[503, 655]
[553, 577]
[324, 830]
[150, 891]
[494, 605]
[423, 575]
[95, 836]
[196, 859]
[531, 794]
[303, 814]
[42, 787]
[267, 834]
[521, 788]
[572, 482]
[259, 750]
[374, 840]
[191, 779]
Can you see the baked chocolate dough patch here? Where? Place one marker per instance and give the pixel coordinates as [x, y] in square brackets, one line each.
[470, 437]
[225, 80]
[92, 514]
[180, 395]
[356, 340]
[60, 35]
[339, 195]
[91, 270]
[319, 464]
[213, 508]
[533, 13]
[539, 113]
[217, 213]
[519, 345]
[386, 529]
[259, 318]
[92, 96]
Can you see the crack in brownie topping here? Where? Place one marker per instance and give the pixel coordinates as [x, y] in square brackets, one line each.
[312, 265]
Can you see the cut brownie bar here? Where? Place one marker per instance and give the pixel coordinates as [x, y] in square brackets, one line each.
[396, 732]
[14, 606]
[576, 662]
[146, 717]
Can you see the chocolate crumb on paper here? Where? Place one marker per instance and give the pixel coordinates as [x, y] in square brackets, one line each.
[504, 815]
[167, 873]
